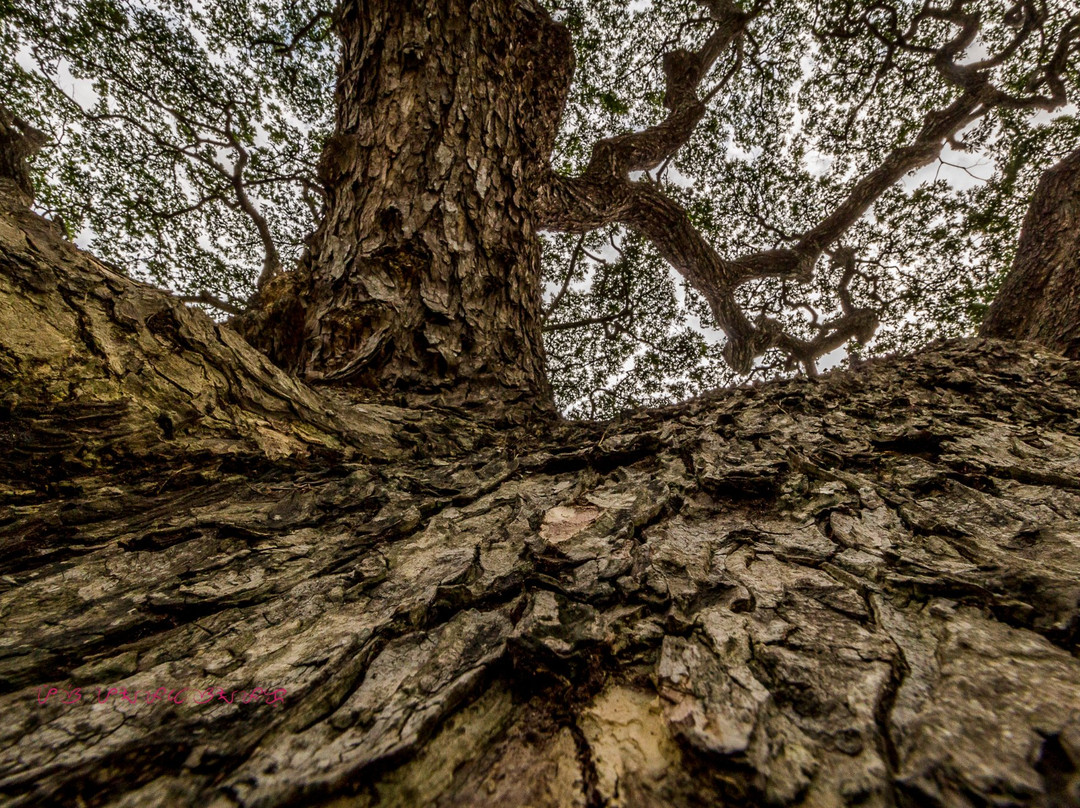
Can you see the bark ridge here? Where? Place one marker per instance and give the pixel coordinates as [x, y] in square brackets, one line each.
[861, 589]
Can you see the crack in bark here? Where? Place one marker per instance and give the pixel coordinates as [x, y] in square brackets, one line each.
[435, 572]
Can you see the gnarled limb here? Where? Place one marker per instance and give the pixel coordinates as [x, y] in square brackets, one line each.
[604, 193]
[683, 72]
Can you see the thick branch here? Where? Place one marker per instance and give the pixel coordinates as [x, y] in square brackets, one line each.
[978, 97]
[938, 126]
[603, 194]
[580, 205]
[683, 72]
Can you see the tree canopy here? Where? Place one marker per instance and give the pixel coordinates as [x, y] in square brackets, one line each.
[856, 172]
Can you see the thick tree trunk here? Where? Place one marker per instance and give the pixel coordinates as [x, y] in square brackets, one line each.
[1040, 298]
[424, 276]
[861, 590]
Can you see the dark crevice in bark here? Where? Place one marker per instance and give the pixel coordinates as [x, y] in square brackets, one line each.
[1060, 771]
[96, 785]
[883, 715]
[1021, 615]
[593, 798]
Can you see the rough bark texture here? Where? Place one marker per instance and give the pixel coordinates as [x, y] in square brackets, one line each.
[860, 590]
[18, 142]
[424, 276]
[96, 367]
[1040, 298]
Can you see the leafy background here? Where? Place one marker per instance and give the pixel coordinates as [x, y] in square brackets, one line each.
[149, 106]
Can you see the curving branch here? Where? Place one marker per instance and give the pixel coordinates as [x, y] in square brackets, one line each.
[575, 258]
[196, 137]
[234, 175]
[604, 193]
[304, 32]
[208, 299]
[603, 319]
[271, 266]
[684, 70]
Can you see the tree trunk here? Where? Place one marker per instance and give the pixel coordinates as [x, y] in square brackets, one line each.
[18, 142]
[221, 587]
[1040, 298]
[424, 276]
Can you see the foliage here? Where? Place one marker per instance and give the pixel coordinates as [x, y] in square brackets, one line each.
[179, 129]
[800, 114]
[166, 116]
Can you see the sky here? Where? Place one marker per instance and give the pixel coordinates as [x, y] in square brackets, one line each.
[959, 168]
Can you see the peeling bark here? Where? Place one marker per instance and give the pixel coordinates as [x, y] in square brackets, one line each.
[1040, 298]
[863, 589]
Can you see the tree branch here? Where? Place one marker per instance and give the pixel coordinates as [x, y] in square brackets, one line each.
[271, 260]
[683, 71]
[209, 300]
[603, 194]
[284, 49]
[271, 265]
[575, 256]
[602, 319]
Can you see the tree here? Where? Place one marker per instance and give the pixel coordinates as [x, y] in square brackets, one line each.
[1040, 290]
[854, 590]
[179, 121]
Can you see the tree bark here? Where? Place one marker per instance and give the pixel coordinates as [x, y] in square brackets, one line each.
[858, 590]
[1040, 297]
[221, 587]
[424, 276]
[18, 142]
